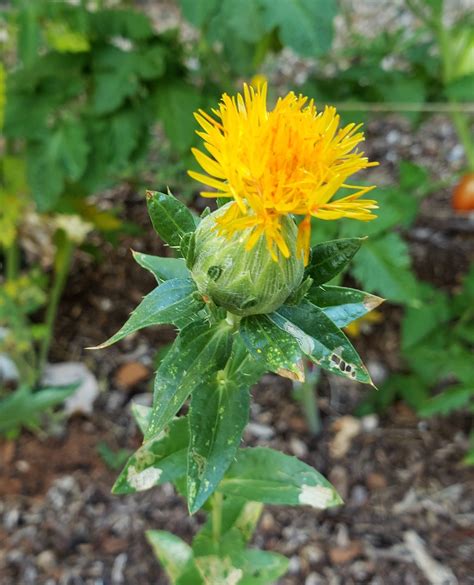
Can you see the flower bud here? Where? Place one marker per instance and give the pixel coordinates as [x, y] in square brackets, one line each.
[245, 282]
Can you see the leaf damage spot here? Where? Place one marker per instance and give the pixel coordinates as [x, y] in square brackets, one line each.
[305, 342]
[143, 480]
[317, 496]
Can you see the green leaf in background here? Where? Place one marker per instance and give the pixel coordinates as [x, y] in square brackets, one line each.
[383, 266]
[271, 477]
[158, 461]
[171, 219]
[175, 104]
[321, 340]
[419, 323]
[304, 25]
[162, 268]
[329, 258]
[198, 12]
[218, 414]
[23, 407]
[199, 351]
[172, 302]
[343, 305]
[461, 89]
[449, 400]
[276, 349]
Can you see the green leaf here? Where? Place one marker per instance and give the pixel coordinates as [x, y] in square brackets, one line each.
[239, 520]
[260, 567]
[197, 354]
[218, 414]
[158, 461]
[23, 406]
[451, 399]
[172, 302]
[383, 266]
[461, 89]
[343, 305]
[216, 570]
[271, 477]
[172, 552]
[162, 268]
[141, 414]
[321, 340]
[198, 12]
[329, 258]
[175, 104]
[170, 218]
[304, 25]
[274, 348]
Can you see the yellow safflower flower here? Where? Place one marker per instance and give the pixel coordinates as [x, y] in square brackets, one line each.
[290, 160]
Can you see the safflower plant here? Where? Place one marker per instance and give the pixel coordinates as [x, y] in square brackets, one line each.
[247, 296]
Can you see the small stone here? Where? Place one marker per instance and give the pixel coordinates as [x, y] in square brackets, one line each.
[314, 579]
[260, 431]
[369, 423]
[313, 554]
[267, 523]
[46, 560]
[294, 566]
[376, 481]
[359, 495]
[338, 477]
[23, 466]
[131, 374]
[343, 555]
[298, 447]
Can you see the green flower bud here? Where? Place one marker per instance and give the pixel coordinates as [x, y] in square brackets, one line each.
[244, 282]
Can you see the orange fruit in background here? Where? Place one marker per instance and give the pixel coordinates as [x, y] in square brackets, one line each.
[463, 194]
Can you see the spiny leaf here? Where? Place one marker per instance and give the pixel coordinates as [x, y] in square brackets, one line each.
[329, 258]
[343, 305]
[162, 268]
[171, 302]
[321, 340]
[197, 354]
[170, 218]
[271, 477]
[274, 348]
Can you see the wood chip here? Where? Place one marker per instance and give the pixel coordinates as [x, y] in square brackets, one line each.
[131, 374]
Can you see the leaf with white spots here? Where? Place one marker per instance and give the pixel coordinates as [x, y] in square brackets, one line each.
[199, 351]
[321, 340]
[275, 349]
[175, 301]
[176, 557]
[343, 305]
[271, 477]
[217, 417]
[158, 461]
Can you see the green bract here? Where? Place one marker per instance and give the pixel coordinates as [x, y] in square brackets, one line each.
[286, 315]
[244, 282]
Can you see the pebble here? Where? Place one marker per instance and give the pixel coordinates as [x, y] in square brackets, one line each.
[314, 579]
[46, 560]
[260, 431]
[294, 566]
[298, 447]
[118, 569]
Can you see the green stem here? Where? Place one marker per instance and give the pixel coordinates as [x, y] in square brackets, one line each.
[216, 515]
[61, 269]
[460, 121]
[12, 261]
[307, 394]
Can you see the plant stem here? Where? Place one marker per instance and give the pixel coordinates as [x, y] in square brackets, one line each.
[216, 515]
[307, 395]
[62, 262]
[12, 261]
